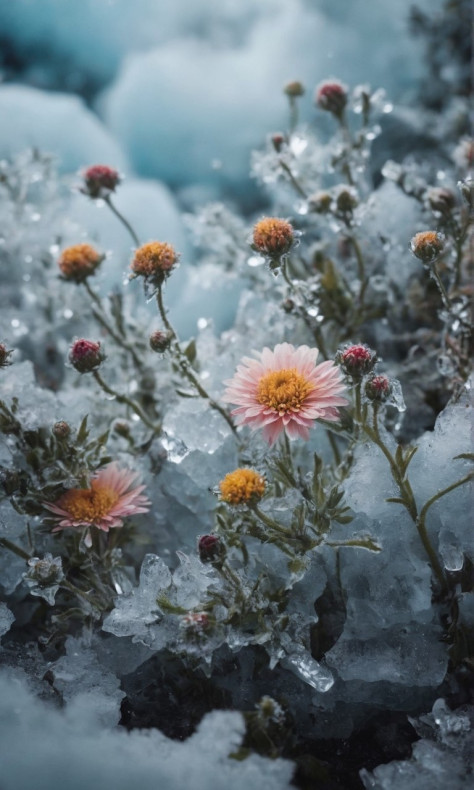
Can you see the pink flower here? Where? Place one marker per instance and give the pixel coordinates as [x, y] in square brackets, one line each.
[110, 498]
[284, 390]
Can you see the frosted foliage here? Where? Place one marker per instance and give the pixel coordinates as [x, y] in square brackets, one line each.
[6, 618]
[54, 123]
[442, 759]
[70, 744]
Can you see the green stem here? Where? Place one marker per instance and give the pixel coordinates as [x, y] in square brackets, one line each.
[122, 219]
[103, 322]
[334, 447]
[14, 549]
[409, 503]
[269, 522]
[444, 295]
[184, 364]
[421, 524]
[294, 181]
[124, 399]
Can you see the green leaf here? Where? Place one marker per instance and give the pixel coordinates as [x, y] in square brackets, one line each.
[83, 433]
[190, 351]
[465, 456]
[395, 499]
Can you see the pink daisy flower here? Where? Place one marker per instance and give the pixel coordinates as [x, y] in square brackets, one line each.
[110, 498]
[284, 390]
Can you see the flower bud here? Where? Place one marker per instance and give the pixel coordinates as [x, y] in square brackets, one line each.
[294, 89]
[211, 548]
[100, 181]
[86, 356]
[61, 429]
[320, 202]
[273, 237]
[78, 262]
[331, 96]
[378, 389]
[160, 341]
[195, 622]
[357, 360]
[122, 428]
[5, 355]
[440, 199]
[346, 200]
[154, 261]
[278, 139]
[467, 191]
[427, 246]
[242, 487]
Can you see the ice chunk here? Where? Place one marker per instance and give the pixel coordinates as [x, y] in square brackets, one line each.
[54, 123]
[6, 618]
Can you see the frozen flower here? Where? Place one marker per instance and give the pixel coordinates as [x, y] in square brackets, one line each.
[331, 96]
[85, 355]
[440, 199]
[44, 576]
[463, 154]
[273, 237]
[160, 341]
[154, 261]
[346, 199]
[79, 262]
[5, 355]
[357, 360]
[242, 487]
[320, 202]
[427, 246]
[294, 89]
[277, 140]
[195, 621]
[99, 181]
[111, 497]
[210, 548]
[378, 388]
[61, 429]
[284, 390]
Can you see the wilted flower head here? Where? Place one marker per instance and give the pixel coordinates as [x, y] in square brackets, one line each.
[320, 201]
[331, 95]
[111, 497]
[378, 388]
[99, 181]
[78, 262]
[346, 198]
[154, 261]
[5, 355]
[356, 360]
[284, 390]
[273, 237]
[85, 355]
[242, 487]
[427, 246]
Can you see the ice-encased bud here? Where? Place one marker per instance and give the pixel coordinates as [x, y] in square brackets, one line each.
[273, 237]
[100, 181]
[160, 341]
[378, 389]
[331, 96]
[61, 429]
[427, 245]
[356, 360]
[44, 577]
[211, 548]
[86, 355]
[441, 199]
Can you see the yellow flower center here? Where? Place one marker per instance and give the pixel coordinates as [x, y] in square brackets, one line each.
[283, 390]
[89, 504]
[242, 486]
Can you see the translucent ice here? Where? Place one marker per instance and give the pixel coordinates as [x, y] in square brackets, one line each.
[6, 618]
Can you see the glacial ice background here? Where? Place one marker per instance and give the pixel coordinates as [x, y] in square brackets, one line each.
[182, 72]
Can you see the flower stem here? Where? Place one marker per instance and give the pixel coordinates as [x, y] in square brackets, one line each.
[99, 316]
[184, 364]
[294, 181]
[269, 522]
[122, 219]
[128, 401]
[14, 548]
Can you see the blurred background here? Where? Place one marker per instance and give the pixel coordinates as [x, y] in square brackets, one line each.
[181, 92]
